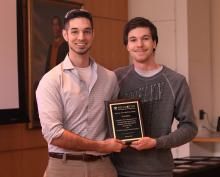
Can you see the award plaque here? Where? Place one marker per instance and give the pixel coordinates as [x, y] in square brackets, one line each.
[125, 119]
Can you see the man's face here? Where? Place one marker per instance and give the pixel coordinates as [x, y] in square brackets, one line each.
[79, 35]
[140, 44]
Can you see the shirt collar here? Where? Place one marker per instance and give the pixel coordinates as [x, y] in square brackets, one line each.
[67, 65]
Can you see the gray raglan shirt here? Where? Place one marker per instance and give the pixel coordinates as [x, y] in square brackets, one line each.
[164, 96]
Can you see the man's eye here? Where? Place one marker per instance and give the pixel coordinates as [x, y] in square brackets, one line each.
[132, 40]
[88, 32]
[74, 32]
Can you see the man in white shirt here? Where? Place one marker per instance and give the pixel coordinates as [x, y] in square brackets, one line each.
[70, 100]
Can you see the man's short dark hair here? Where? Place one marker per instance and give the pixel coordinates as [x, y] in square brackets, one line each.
[139, 22]
[74, 13]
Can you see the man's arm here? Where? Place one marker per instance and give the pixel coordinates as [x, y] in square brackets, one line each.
[71, 141]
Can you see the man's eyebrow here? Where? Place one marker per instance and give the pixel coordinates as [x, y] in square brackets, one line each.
[132, 37]
[75, 28]
[145, 35]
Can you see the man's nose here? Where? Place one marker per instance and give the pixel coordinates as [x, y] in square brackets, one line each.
[139, 43]
[81, 35]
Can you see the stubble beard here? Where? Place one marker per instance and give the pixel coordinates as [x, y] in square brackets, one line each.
[81, 52]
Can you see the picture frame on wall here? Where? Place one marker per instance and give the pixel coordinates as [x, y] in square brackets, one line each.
[44, 44]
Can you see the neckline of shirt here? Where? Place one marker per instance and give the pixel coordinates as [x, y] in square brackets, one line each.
[149, 73]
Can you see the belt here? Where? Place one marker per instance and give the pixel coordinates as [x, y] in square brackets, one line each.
[83, 157]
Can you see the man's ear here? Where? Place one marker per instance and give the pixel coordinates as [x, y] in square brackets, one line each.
[155, 45]
[65, 36]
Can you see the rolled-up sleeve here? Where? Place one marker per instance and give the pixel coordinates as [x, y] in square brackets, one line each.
[50, 108]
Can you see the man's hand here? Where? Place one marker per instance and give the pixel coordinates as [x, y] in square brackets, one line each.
[144, 143]
[111, 145]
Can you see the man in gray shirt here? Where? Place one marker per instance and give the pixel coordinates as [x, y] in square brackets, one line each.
[164, 95]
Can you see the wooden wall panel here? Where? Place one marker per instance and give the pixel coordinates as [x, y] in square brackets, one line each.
[9, 164]
[116, 9]
[17, 137]
[10, 137]
[32, 161]
[108, 48]
[23, 152]
[110, 17]
[23, 163]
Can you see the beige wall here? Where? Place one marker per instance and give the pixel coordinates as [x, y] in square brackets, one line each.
[215, 43]
[200, 62]
[204, 37]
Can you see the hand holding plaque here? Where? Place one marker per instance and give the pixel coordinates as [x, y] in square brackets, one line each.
[125, 119]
